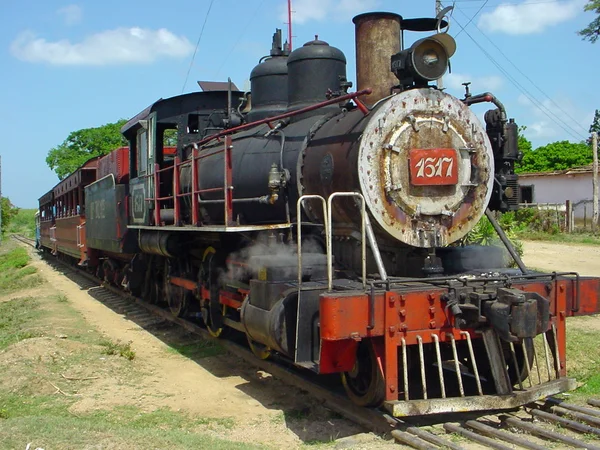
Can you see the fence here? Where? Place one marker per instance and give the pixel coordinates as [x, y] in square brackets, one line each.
[566, 217]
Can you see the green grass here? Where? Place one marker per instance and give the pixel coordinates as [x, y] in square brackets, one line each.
[163, 418]
[23, 223]
[30, 410]
[17, 258]
[118, 348]
[197, 350]
[122, 427]
[583, 360]
[563, 238]
[14, 270]
[15, 320]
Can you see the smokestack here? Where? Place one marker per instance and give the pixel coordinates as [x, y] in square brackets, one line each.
[378, 37]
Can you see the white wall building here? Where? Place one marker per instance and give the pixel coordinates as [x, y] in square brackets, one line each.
[558, 187]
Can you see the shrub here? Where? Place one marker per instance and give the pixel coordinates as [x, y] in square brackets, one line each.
[118, 348]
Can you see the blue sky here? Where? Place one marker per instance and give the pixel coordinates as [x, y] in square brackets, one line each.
[67, 66]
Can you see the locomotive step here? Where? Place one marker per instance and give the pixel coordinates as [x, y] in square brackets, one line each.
[479, 403]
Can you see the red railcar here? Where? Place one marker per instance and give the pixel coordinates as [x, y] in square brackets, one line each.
[68, 210]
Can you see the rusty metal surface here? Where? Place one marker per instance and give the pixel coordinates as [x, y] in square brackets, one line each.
[548, 434]
[478, 403]
[115, 163]
[424, 216]
[476, 437]
[512, 438]
[377, 37]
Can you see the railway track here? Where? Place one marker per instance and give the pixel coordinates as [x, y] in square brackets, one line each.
[547, 423]
[24, 240]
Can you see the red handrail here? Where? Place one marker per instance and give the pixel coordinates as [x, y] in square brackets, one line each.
[246, 126]
[227, 162]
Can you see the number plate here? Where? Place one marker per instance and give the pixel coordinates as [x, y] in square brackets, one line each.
[436, 166]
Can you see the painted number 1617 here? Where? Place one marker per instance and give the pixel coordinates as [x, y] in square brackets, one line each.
[436, 166]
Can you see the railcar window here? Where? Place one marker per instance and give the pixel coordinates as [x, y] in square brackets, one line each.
[142, 146]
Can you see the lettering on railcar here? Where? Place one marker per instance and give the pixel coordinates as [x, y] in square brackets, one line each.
[97, 209]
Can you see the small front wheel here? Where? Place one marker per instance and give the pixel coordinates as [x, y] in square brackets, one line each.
[365, 384]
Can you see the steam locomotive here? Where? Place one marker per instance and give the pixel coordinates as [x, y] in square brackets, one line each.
[324, 224]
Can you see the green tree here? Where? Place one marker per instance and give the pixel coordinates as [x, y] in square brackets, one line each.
[84, 144]
[595, 126]
[8, 212]
[560, 155]
[592, 31]
[523, 143]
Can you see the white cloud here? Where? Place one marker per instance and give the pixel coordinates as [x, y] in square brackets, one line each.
[542, 126]
[72, 14]
[478, 84]
[530, 16]
[319, 10]
[110, 47]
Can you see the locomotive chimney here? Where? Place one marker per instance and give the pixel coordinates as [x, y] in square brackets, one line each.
[378, 37]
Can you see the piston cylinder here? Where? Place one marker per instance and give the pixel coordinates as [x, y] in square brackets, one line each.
[158, 243]
[275, 327]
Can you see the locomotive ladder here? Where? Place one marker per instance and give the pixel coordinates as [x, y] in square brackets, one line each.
[366, 233]
[308, 296]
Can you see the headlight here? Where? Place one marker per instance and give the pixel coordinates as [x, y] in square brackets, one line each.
[426, 60]
[429, 59]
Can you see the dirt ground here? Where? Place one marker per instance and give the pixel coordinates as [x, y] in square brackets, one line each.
[553, 256]
[263, 409]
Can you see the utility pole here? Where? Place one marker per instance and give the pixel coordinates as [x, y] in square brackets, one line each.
[595, 181]
[438, 9]
[290, 24]
[0, 198]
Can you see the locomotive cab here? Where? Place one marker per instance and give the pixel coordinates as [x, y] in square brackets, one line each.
[178, 120]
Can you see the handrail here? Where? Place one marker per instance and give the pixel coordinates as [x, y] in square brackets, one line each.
[330, 238]
[267, 120]
[299, 205]
[79, 239]
[228, 167]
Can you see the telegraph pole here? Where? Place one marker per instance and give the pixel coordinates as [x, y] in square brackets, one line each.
[289, 5]
[595, 181]
[438, 9]
[0, 198]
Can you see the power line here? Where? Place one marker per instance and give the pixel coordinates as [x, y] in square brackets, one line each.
[241, 35]
[512, 3]
[495, 5]
[542, 106]
[197, 45]
[471, 19]
[523, 90]
[531, 81]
